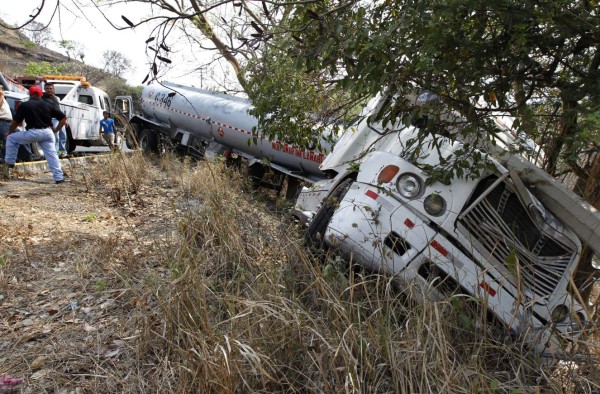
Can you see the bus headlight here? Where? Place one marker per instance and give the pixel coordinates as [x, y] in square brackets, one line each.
[559, 313]
[435, 205]
[409, 185]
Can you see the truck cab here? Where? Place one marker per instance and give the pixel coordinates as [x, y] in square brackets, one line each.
[484, 236]
[83, 104]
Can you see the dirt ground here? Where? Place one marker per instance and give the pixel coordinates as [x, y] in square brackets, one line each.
[68, 257]
[80, 263]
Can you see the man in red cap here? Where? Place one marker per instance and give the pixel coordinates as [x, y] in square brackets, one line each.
[38, 118]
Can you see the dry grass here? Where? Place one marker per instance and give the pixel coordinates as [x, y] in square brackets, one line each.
[222, 296]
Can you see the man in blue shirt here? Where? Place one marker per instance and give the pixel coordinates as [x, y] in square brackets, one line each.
[108, 125]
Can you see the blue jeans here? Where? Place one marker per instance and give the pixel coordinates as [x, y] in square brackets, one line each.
[60, 137]
[45, 138]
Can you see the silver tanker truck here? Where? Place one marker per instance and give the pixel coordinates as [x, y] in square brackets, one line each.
[189, 119]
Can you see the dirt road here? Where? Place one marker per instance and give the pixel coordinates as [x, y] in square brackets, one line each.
[69, 257]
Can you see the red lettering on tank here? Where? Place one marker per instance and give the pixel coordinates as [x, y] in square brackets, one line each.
[296, 151]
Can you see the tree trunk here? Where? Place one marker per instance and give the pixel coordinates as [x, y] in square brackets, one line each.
[586, 274]
[568, 127]
[200, 21]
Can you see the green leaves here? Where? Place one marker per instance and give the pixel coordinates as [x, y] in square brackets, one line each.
[43, 68]
[483, 59]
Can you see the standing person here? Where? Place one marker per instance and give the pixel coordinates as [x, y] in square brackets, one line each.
[109, 130]
[38, 116]
[61, 135]
[5, 118]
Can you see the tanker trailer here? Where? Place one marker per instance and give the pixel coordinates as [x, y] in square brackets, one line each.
[190, 118]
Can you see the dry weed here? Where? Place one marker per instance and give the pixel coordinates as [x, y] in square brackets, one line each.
[249, 310]
[210, 292]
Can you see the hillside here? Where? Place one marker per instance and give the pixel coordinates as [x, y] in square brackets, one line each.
[16, 51]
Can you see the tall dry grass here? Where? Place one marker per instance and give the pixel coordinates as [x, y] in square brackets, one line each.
[248, 309]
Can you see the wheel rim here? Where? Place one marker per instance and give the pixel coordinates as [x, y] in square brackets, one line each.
[144, 142]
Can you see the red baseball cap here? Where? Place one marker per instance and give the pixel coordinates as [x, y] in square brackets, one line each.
[35, 91]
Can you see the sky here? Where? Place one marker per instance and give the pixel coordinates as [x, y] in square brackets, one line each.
[81, 22]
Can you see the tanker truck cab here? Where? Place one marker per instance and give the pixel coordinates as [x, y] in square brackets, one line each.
[482, 236]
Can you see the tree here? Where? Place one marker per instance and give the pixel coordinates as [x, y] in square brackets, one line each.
[43, 68]
[73, 49]
[117, 87]
[196, 20]
[115, 63]
[537, 61]
[38, 33]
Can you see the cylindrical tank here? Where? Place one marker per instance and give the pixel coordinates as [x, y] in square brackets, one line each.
[224, 119]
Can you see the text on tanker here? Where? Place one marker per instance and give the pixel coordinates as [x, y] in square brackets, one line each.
[293, 150]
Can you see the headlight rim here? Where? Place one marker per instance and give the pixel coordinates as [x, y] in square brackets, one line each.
[418, 181]
[443, 209]
[556, 317]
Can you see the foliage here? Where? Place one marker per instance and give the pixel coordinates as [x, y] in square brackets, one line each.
[472, 53]
[115, 63]
[92, 74]
[117, 87]
[234, 277]
[274, 86]
[73, 49]
[90, 217]
[43, 68]
[187, 284]
[38, 33]
[483, 59]
[27, 44]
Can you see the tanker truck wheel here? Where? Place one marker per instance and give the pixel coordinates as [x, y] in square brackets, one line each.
[148, 141]
[315, 233]
[256, 173]
[130, 140]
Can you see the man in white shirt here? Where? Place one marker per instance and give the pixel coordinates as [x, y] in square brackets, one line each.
[5, 119]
